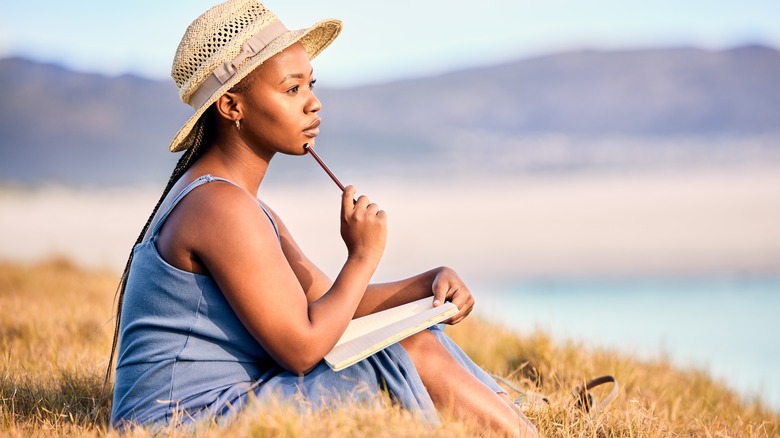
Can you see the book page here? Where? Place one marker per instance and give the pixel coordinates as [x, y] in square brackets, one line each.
[377, 333]
[366, 324]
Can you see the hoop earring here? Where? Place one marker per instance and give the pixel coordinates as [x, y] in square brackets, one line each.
[238, 124]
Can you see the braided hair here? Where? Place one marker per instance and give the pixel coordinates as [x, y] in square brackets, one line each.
[203, 135]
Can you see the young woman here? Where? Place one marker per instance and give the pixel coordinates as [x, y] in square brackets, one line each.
[218, 304]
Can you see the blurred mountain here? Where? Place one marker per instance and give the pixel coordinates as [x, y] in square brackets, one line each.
[62, 126]
[558, 112]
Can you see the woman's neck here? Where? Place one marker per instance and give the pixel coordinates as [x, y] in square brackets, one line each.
[235, 162]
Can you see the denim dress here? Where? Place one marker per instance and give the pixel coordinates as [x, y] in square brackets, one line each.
[184, 355]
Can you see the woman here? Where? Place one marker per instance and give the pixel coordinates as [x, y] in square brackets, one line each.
[218, 304]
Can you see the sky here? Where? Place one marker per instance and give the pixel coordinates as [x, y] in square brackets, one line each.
[385, 40]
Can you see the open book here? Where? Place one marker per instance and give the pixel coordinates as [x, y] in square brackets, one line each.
[367, 335]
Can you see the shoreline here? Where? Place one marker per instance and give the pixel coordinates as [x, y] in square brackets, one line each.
[698, 222]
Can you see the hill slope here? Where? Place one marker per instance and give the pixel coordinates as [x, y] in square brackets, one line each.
[55, 348]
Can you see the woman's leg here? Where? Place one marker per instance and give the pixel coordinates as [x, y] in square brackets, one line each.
[456, 391]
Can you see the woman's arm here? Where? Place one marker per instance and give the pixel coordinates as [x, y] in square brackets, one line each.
[442, 284]
[241, 252]
[379, 296]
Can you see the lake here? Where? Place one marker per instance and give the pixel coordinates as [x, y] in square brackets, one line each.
[727, 326]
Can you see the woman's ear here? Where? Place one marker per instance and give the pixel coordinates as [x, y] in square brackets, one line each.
[229, 107]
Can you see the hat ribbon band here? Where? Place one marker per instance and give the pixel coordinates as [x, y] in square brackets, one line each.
[227, 69]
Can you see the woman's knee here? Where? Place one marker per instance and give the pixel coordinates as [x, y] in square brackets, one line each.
[428, 355]
[421, 343]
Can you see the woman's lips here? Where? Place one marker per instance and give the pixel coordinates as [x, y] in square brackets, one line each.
[312, 130]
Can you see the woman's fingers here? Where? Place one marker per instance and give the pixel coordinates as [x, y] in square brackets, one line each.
[347, 199]
[447, 286]
[465, 302]
[363, 225]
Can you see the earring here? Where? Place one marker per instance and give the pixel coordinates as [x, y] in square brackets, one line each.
[238, 124]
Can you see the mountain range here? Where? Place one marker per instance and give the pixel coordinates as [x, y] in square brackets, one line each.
[551, 113]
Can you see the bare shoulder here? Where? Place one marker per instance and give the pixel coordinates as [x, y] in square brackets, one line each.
[213, 218]
[219, 201]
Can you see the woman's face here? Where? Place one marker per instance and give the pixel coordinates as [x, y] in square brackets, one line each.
[280, 109]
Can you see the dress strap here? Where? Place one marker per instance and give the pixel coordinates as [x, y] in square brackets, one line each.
[190, 187]
[273, 222]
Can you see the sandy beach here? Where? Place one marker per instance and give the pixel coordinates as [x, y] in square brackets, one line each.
[670, 222]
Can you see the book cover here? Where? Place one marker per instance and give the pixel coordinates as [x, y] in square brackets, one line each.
[366, 335]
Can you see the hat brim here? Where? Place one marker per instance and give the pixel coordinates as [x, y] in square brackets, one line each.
[315, 39]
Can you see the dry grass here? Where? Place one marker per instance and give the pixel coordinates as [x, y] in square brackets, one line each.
[55, 335]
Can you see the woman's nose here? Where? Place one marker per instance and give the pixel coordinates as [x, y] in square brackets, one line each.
[313, 105]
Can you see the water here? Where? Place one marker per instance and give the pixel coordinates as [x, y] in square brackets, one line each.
[729, 327]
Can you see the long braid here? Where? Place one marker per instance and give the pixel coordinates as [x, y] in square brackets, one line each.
[185, 162]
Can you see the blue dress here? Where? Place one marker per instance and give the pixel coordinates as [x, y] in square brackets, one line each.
[184, 355]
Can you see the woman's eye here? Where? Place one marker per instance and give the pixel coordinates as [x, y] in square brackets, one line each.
[293, 90]
[311, 84]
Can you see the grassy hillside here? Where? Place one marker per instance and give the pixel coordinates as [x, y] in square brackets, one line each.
[55, 335]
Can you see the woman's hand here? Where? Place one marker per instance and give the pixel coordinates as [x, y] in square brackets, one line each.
[447, 286]
[363, 226]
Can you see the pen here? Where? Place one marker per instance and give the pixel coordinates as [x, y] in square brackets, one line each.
[322, 164]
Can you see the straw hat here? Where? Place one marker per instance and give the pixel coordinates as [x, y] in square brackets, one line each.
[224, 45]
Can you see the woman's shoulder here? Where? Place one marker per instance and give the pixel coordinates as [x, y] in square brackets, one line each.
[212, 218]
[216, 203]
